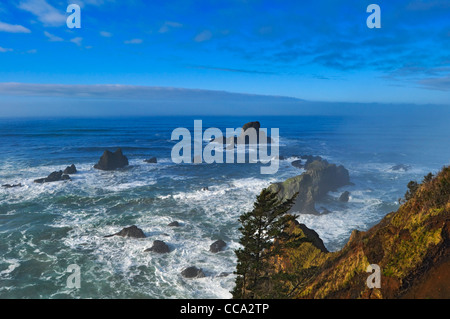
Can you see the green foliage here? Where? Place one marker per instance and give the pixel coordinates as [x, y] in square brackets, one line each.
[259, 229]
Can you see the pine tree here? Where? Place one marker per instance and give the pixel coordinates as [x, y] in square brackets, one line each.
[259, 229]
[413, 186]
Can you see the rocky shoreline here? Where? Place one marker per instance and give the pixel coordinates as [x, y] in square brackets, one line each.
[422, 224]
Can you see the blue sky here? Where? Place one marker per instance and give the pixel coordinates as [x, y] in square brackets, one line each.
[310, 50]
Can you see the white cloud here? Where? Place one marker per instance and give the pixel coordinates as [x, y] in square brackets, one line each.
[53, 38]
[106, 34]
[134, 41]
[203, 36]
[45, 12]
[13, 28]
[169, 24]
[32, 51]
[77, 40]
[5, 50]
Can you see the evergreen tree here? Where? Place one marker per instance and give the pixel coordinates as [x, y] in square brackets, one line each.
[413, 186]
[259, 229]
[428, 178]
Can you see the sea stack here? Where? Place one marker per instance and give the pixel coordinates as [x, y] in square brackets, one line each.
[111, 161]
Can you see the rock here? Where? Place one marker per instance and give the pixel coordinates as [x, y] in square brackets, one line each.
[132, 232]
[224, 274]
[174, 224]
[320, 178]
[217, 246]
[256, 125]
[298, 164]
[261, 136]
[310, 158]
[345, 196]
[111, 161]
[151, 160]
[70, 170]
[308, 233]
[193, 272]
[12, 185]
[204, 188]
[159, 247]
[400, 167]
[410, 245]
[53, 177]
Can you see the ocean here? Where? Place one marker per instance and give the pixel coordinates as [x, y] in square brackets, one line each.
[44, 228]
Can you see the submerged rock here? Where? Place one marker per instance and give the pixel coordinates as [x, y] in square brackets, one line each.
[53, 177]
[110, 161]
[217, 246]
[224, 274]
[400, 167]
[70, 170]
[159, 247]
[12, 185]
[132, 232]
[193, 272]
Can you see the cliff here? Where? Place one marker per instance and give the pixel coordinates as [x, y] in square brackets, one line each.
[410, 246]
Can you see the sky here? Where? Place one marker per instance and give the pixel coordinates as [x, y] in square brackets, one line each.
[199, 56]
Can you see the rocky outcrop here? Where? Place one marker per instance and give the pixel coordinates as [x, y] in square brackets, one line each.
[151, 160]
[53, 177]
[174, 224]
[410, 246]
[131, 232]
[345, 196]
[70, 170]
[217, 246]
[298, 163]
[110, 161]
[320, 178]
[261, 136]
[193, 272]
[159, 247]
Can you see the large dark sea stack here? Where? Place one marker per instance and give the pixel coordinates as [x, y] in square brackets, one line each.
[261, 137]
[111, 161]
[320, 178]
[256, 125]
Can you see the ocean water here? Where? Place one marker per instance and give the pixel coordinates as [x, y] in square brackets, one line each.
[44, 228]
